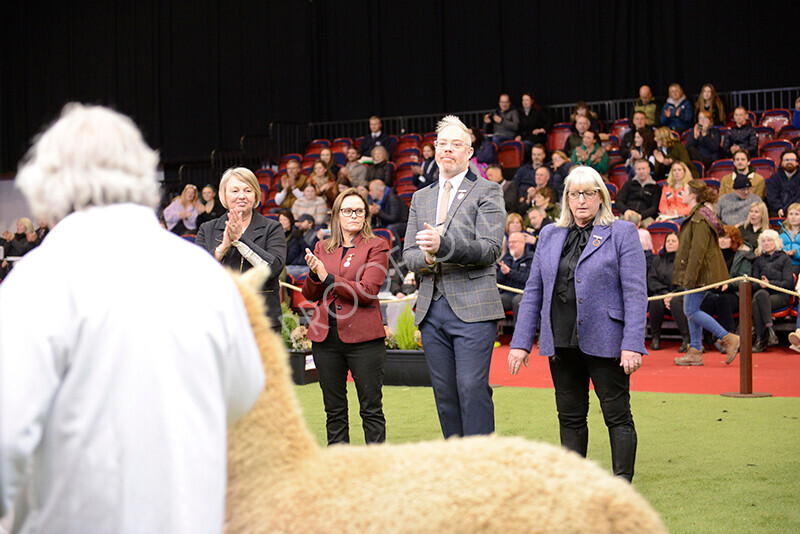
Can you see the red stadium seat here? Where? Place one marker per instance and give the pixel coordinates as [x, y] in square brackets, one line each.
[774, 149]
[510, 154]
[558, 136]
[659, 231]
[765, 134]
[612, 190]
[700, 167]
[763, 166]
[385, 234]
[720, 168]
[788, 133]
[618, 175]
[620, 127]
[776, 119]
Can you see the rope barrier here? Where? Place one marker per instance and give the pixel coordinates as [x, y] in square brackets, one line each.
[743, 278]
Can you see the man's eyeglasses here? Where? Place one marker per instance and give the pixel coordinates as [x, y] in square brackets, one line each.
[455, 145]
[347, 212]
[588, 195]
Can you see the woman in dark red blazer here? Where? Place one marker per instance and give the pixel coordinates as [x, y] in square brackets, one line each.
[347, 272]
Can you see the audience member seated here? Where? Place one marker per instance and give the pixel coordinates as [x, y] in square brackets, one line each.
[537, 219]
[426, 172]
[325, 182]
[638, 122]
[677, 111]
[513, 270]
[647, 105]
[640, 195]
[42, 231]
[376, 137]
[510, 190]
[18, 244]
[386, 210]
[704, 140]
[591, 153]
[644, 147]
[295, 244]
[796, 114]
[783, 187]
[308, 231]
[757, 221]
[708, 100]
[292, 184]
[669, 150]
[354, 170]
[775, 267]
[502, 124]
[542, 179]
[723, 301]
[734, 208]
[582, 110]
[741, 135]
[790, 235]
[671, 206]
[514, 223]
[311, 203]
[659, 282]
[210, 207]
[534, 122]
[543, 199]
[575, 139]
[483, 149]
[326, 157]
[181, 214]
[525, 177]
[646, 240]
[380, 169]
[741, 164]
[561, 167]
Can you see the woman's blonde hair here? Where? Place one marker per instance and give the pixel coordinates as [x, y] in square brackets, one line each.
[664, 135]
[189, 187]
[242, 173]
[687, 175]
[584, 176]
[764, 215]
[336, 239]
[513, 217]
[786, 224]
[26, 222]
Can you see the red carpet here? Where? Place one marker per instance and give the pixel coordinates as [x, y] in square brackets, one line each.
[776, 371]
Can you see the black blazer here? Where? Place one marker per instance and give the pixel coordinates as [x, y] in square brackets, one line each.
[265, 237]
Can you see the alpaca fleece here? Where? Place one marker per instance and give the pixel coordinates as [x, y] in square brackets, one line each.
[280, 480]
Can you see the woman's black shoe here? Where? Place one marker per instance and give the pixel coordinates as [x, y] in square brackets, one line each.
[655, 344]
[760, 345]
[772, 337]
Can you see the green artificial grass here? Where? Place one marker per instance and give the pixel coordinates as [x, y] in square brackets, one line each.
[708, 464]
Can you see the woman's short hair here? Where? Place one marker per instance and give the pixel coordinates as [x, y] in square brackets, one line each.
[733, 233]
[513, 217]
[26, 222]
[545, 192]
[380, 148]
[769, 232]
[705, 113]
[337, 239]
[678, 86]
[288, 214]
[91, 156]
[687, 175]
[561, 154]
[428, 144]
[242, 173]
[584, 176]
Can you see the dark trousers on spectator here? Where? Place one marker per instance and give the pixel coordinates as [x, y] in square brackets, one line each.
[658, 309]
[511, 303]
[763, 304]
[365, 361]
[722, 306]
[571, 370]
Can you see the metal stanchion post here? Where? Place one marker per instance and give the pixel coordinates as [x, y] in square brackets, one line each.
[745, 346]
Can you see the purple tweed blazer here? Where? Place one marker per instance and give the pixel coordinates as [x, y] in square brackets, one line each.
[610, 287]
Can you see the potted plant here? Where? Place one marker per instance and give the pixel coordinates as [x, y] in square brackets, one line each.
[295, 337]
[405, 361]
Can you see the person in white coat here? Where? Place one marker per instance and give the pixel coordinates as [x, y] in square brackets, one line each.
[125, 351]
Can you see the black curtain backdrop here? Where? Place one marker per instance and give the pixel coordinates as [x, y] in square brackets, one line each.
[196, 75]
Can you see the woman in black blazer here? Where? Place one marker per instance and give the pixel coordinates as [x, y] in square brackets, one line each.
[243, 238]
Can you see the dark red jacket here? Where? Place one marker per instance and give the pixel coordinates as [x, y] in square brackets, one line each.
[353, 290]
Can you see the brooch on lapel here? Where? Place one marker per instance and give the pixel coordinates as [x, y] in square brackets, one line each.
[347, 259]
[597, 240]
[461, 194]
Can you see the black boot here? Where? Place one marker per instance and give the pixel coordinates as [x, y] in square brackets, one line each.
[655, 344]
[623, 450]
[685, 345]
[772, 337]
[760, 345]
[575, 439]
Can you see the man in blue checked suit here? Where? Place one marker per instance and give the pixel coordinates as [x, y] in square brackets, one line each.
[453, 239]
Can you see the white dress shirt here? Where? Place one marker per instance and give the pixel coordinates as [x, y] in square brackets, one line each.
[125, 351]
[456, 181]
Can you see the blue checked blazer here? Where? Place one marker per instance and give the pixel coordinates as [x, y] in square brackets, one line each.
[470, 246]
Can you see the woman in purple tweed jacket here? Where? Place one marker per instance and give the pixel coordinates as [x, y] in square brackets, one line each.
[588, 288]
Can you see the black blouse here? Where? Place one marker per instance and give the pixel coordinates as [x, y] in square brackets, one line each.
[564, 310]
